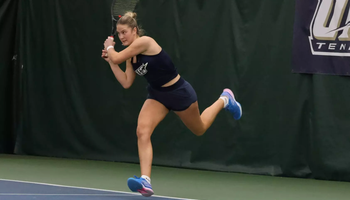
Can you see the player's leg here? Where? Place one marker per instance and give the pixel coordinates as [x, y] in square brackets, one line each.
[199, 124]
[151, 114]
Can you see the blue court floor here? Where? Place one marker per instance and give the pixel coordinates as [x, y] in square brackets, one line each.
[20, 190]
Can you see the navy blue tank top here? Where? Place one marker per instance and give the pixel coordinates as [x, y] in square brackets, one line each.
[157, 69]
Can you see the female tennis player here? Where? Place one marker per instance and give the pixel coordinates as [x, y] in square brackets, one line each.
[167, 90]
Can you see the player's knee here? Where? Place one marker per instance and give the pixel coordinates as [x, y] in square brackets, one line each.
[143, 132]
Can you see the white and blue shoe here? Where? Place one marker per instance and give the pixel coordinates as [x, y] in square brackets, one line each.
[140, 185]
[233, 106]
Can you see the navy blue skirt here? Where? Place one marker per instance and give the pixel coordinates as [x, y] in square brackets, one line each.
[177, 97]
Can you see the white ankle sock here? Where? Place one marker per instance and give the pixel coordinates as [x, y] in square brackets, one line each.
[225, 99]
[148, 179]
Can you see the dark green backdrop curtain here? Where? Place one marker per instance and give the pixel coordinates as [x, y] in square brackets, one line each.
[8, 27]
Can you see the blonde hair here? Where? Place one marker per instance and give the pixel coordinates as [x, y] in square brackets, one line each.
[129, 18]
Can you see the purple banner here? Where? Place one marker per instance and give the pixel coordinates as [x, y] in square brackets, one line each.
[321, 42]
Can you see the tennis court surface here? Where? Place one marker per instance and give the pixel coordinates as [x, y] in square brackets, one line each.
[20, 190]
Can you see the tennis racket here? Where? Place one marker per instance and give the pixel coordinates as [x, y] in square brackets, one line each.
[118, 9]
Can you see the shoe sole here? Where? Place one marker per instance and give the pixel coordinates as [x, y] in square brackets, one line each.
[136, 186]
[240, 108]
[146, 192]
[239, 105]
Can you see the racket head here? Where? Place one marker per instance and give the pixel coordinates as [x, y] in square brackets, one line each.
[118, 9]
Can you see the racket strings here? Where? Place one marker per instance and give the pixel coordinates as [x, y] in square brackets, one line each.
[120, 7]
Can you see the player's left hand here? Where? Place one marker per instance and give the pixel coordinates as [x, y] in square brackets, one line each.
[104, 55]
[109, 42]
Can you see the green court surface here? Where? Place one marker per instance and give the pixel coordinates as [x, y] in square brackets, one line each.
[173, 182]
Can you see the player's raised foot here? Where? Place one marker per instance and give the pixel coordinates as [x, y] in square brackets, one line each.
[232, 106]
[140, 185]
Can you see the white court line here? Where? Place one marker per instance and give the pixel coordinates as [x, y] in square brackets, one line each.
[86, 188]
[19, 194]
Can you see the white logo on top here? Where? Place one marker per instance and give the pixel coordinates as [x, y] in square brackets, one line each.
[142, 70]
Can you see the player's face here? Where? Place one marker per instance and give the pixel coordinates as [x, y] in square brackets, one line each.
[126, 34]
